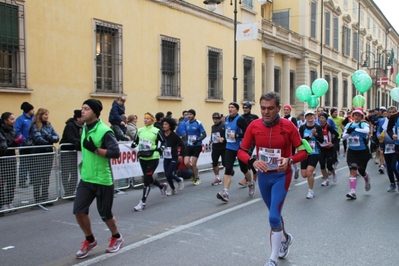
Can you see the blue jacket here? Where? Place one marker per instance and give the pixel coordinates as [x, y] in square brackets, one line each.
[115, 113]
[22, 125]
[181, 128]
[47, 136]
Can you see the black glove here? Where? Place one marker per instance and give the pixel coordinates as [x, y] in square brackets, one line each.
[195, 142]
[78, 147]
[49, 138]
[89, 145]
[161, 149]
[350, 130]
[134, 145]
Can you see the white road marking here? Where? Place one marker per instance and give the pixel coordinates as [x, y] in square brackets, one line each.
[320, 176]
[165, 234]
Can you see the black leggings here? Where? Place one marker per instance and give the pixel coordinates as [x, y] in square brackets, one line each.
[230, 159]
[326, 156]
[148, 167]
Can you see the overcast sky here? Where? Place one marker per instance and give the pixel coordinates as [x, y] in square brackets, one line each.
[390, 9]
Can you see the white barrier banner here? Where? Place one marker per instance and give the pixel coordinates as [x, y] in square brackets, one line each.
[127, 165]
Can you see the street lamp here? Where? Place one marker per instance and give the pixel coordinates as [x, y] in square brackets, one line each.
[211, 6]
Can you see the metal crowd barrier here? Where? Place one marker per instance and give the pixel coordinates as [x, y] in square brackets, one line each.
[31, 178]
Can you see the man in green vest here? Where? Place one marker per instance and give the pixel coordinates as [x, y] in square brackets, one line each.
[98, 145]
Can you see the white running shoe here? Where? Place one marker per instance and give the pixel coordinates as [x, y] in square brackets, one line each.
[351, 195]
[251, 187]
[310, 194]
[325, 183]
[181, 184]
[335, 178]
[285, 247]
[140, 206]
[171, 192]
[367, 185]
[163, 189]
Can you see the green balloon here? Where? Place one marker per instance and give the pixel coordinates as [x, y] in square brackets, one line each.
[319, 87]
[356, 74]
[358, 101]
[394, 94]
[313, 101]
[363, 83]
[397, 79]
[303, 93]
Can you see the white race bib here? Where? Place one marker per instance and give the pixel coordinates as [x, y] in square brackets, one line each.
[389, 148]
[270, 156]
[312, 144]
[145, 145]
[354, 141]
[191, 139]
[167, 153]
[228, 137]
[215, 137]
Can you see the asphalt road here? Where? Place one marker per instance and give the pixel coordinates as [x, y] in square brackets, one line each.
[195, 228]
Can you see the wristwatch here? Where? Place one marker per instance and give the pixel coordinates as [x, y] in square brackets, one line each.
[290, 161]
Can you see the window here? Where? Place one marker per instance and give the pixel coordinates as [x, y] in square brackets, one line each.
[346, 4]
[313, 20]
[277, 83]
[249, 79]
[247, 3]
[336, 33]
[282, 18]
[345, 93]
[335, 91]
[170, 67]
[215, 74]
[355, 45]
[346, 40]
[292, 88]
[355, 9]
[368, 98]
[327, 99]
[313, 76]
[108, 51]
[353, 90]
[12, 45]
[361, 14]
[263, 78]
[328, 28]
[368, 58]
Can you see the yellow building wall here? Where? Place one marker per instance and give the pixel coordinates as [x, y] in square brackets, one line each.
[60, 58]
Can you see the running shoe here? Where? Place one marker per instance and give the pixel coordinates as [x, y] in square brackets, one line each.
[223, 196]
[114, 244]
[171, 192]
[251, 187]
[325, 183]
[392, 188]
[335, 178]
[163, 189]
[351, 195]
[86, 247]
[140, 206]
[197, 182]
[192, 179]
[285, 247]
[243, 183]
[381, 169]
[181, 184]
[310, 194]
[271, 263]
[296, 175]
[216, 182]
[367, 185]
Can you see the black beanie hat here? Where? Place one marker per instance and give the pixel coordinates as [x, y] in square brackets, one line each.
[26, 107]
[191, 111]
[94, 105]
[77, 113]
[324, 114]
[235, 105]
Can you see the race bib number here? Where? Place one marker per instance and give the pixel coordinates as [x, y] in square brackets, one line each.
[215, 137]
[228, 137]
[145, 145]
[354, 141]
[167, 153]
[325, 142]
[270, 156]
[312, 144]
[191, 139]
[389, 148]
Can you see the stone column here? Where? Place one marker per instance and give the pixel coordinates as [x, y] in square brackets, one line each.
[270, 70]
[285, 84]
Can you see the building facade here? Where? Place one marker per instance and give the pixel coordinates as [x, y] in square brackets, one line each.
[172, 55]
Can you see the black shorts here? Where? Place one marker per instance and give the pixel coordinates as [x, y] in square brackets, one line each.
[193, 151]
[85, 194]
[216, 154]
[312, 160]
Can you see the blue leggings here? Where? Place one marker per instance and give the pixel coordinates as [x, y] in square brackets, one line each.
[273, 187]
